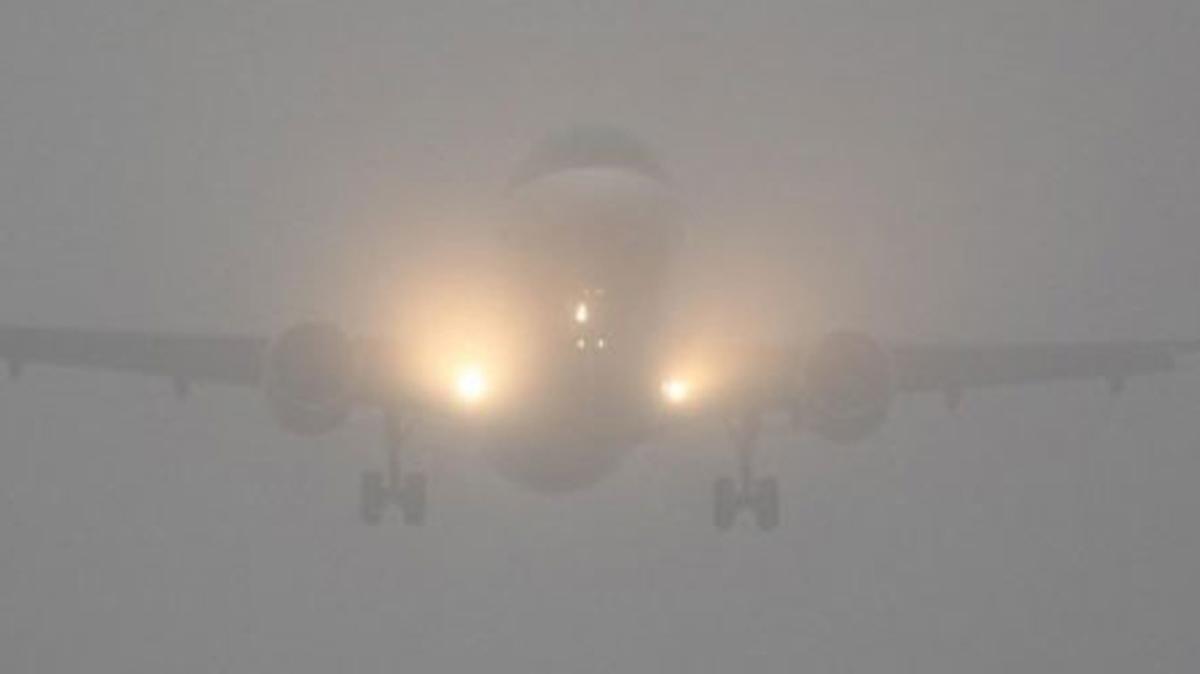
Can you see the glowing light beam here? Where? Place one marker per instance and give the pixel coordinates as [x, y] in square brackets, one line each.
[471, 385]
[676, 391]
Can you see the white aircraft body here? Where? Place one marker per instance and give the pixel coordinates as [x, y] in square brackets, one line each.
[586, 371]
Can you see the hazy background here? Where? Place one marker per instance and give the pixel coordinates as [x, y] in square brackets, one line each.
[1021, 169]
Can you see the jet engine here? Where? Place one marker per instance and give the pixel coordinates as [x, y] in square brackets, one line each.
[310, 378]
[848, 387]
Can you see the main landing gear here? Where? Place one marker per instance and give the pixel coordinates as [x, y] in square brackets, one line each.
[759, 495]
[405, 490]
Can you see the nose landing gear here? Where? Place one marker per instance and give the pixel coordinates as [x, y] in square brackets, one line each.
[759, 495]
[380, 489]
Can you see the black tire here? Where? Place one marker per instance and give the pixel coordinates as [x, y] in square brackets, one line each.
[766, 504]
[414, 499]
[373, 497]
[724, 503]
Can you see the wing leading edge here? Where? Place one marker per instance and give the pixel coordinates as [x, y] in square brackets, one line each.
[955, 368]
[184, 358]
[940, 368]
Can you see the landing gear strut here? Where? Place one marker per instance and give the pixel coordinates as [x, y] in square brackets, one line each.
[759, 495]
[381, 488]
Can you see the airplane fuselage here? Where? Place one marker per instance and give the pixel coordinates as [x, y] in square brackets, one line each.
[591, 247]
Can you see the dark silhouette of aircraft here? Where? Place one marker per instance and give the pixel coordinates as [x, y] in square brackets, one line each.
[581, 371]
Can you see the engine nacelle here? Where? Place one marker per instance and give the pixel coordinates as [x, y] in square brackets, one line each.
[849, 386]
[310, 378]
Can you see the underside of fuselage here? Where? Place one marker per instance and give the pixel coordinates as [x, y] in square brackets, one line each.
[587, 411]
[574, 455]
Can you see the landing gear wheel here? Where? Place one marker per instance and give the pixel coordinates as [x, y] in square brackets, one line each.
[413, 499]
[373, 497]
[758, 495]
[766, 504]
[725, 503]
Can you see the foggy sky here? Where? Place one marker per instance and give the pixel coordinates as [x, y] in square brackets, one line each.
[926, 169]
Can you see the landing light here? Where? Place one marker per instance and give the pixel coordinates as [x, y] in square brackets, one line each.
[582, 313]
[676, 391]
[471, 385]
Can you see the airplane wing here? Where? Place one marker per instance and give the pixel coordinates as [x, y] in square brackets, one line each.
[184, 358]
[312, 372]
[950, 369]
[844, 385]
[849, 373]
[954, 368]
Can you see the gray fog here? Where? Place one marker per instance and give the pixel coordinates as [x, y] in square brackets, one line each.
[1018, 170]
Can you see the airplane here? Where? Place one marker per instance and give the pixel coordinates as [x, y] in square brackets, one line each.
[585, 371]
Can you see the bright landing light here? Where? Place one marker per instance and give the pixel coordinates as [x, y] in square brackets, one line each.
[471, 385]
[582, 314]
[676, 391]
